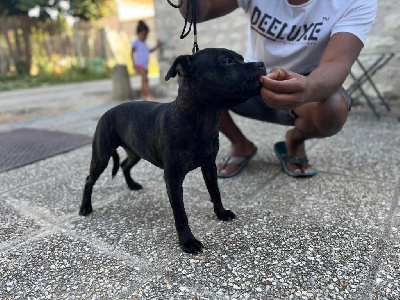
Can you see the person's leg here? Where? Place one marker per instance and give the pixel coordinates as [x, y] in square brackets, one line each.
[241, 146]
[145, 91]
[315, 120]
[254, 108]
[145, 84]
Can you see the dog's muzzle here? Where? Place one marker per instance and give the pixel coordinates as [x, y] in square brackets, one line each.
[252, 83]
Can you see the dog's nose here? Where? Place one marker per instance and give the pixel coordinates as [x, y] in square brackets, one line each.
[260, 64]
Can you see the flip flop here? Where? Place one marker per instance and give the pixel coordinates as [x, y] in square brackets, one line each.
[241, 161]
[281, 152]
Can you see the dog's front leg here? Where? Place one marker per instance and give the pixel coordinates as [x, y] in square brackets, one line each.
[187, 241]
[210, 177]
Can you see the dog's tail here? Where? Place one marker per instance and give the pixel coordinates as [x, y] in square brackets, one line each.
[115, 157]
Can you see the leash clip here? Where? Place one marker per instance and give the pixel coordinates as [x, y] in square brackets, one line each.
[195, 45]
[190, 4]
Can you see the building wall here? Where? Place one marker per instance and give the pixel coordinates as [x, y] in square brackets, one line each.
[384, 37]
[230, 32]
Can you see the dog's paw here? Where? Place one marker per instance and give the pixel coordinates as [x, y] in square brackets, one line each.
[134, 186]
[225, 215]
[85, 210]
[192, 246]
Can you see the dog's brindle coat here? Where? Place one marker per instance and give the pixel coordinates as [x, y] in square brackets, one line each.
[179, 136]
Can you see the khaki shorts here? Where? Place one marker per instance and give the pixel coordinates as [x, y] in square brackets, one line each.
[255, 108]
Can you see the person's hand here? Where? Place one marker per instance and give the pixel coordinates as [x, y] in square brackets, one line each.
[159, 43]
[283, 89]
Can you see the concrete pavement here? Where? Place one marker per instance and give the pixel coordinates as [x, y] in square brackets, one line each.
[27, 104]
[333, 236]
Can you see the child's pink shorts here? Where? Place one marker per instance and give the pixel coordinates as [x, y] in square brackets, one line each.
[140, 67]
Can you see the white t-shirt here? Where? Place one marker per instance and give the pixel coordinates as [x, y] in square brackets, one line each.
[295, 36]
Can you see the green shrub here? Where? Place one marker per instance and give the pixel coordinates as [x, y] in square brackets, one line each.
[46, 77]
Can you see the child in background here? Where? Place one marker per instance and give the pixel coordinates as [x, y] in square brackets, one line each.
[140, 57]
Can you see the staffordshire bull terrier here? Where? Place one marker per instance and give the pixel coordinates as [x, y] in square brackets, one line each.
[179, 136]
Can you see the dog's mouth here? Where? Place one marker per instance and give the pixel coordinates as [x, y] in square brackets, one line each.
[252, 84]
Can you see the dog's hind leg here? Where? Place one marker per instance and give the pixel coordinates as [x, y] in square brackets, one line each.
[210, 178]
[126, 166]
[101, 153]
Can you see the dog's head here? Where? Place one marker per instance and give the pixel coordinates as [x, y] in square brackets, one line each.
[219, 77]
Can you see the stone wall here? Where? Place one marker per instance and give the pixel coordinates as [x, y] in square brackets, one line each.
[384, 37]
[230, 32]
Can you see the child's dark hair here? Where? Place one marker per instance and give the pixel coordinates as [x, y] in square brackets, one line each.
[142, 26]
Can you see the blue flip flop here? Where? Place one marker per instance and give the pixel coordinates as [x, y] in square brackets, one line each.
[281, 152]
[241, 161]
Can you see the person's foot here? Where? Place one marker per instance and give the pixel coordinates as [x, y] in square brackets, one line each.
[242, 150]
[296, 148]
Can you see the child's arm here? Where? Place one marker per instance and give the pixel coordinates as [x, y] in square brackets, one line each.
[157, 46]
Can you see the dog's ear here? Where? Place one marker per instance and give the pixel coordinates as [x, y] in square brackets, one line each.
[182, 66]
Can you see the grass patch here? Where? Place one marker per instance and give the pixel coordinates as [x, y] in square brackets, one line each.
[73, 74]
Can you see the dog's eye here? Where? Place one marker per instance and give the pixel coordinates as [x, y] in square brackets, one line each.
[229, 61]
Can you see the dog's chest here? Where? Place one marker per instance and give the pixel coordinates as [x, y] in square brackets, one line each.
[205, 146]
[202, 153]
[193, 138]
[195, 150]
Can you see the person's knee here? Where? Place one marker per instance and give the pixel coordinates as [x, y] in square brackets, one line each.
[332, 114]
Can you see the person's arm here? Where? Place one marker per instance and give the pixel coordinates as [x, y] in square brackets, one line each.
[210, 9]
[283, 89]
[156, 47]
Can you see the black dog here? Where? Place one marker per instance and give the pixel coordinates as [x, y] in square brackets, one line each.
[179, 136]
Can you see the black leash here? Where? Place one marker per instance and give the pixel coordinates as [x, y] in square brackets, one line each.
[192, 4]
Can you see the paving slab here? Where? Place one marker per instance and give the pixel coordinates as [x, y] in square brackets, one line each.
[387, 283]
[14, 225]
[330, 199]
[369, 151]
[58, 266]
[269, 256]
[387, 280]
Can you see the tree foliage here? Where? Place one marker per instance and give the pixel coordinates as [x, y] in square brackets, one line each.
[84, 9]
[91, 9]
[22, 7]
